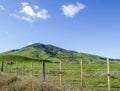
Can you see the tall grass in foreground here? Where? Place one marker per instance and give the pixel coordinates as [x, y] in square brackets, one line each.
[14, 83]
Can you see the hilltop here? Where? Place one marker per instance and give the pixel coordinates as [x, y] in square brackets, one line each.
[49, 52]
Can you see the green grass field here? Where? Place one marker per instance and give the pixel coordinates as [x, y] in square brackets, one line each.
[94, 75]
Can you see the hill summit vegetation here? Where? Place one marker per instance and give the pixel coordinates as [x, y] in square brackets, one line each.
[40, 51]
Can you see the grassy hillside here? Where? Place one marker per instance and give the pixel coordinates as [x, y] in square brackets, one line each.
[16, 58]
[40, 51]
[49, 52]
[95, 75]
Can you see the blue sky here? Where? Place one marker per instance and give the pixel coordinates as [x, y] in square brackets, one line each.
[89, 26]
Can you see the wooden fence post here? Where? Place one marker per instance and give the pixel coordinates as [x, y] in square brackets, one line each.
[23, 68]
[5, 68]
[81, 63]
[10, 67]
[60, 73]
[108, 72]
[2, 66]
[31, 68]
[16, 67]
[43, 70]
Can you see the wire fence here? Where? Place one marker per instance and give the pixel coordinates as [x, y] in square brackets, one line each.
[71, 76]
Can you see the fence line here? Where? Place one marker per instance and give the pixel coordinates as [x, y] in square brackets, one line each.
[43, 73]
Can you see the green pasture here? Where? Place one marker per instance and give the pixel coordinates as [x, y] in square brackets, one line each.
[94, 75]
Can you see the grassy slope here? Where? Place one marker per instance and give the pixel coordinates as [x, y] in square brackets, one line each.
[40, 51]
[16, 58]
[52, 53]
[94, 74]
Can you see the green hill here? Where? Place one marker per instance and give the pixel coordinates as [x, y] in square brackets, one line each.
[49, 52]
[40, 51]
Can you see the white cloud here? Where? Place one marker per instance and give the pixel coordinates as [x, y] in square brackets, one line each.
[72, 9]
[2, 7]
[29, 19]
[43, 14]
[24, 3]
[28, 10]
[26, 18]
[36, 7]
[29, 13]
